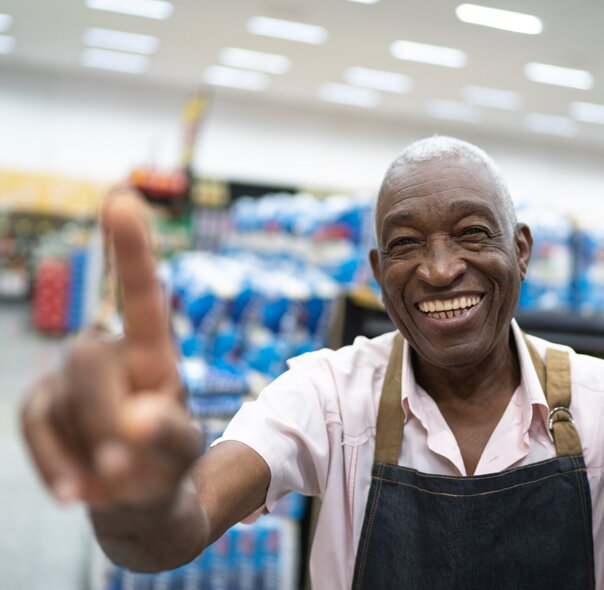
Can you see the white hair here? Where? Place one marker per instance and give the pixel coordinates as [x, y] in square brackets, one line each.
[440, 146]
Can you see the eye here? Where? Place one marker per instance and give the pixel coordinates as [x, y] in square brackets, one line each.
[476, 233]
[400, 243]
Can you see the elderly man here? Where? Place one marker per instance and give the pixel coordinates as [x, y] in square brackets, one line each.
[455, 452]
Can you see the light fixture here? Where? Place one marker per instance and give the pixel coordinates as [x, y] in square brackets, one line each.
[6, 21]
[349, 95]
[550, 124]
[270, 63]
[496, 18]
[559, 76]
[365, 1]
[121, 41]
[492, 97]
[587, 112]
[234, 78]
[156, 9]
[104, 59]
[287, 29]
[7, 44]
[453, 110]
[378, 79]
[429, 54]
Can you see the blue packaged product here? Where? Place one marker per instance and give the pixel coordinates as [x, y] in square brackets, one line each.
[270, 547]
[549, 280]
[244, 557]
[196, 574]
[219, 574]
[589, 264]
[136, 581]
[214, 405]
[292, 505]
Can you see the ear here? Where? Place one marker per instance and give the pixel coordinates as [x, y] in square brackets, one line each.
[374, 259]
[524, 247]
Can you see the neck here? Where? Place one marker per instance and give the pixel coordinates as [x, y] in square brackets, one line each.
[495, 375]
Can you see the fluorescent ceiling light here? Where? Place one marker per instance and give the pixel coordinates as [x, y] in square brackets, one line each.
[365, 1]
[587, 112]
[548, 74]
[429, 54]
[157, 9]
[492, 97]
[122, 41]
[550, 124]
[255, 60]
[496, 18]
[233, 78]
[287, 29]
[7, 44]
[378, 79]
[350, 95]
[104, 59]
[6, 20]
[454, 111]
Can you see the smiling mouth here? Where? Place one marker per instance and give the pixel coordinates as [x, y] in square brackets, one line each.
[442, 309]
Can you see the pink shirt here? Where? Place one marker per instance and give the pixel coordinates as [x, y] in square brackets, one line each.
[315, 427]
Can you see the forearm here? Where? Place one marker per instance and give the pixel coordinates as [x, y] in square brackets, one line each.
[154, 539]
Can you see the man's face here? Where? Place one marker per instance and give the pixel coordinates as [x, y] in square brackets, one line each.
[449, 264]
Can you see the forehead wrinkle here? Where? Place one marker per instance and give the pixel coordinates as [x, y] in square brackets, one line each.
[471, 207]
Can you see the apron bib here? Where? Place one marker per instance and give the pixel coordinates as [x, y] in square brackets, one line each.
[528, 528]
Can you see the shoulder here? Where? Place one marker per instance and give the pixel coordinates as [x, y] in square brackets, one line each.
[346, 381]
[587, 372]
[363, 353]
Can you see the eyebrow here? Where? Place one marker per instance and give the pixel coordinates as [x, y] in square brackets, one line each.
[464, 207]
[467, 208]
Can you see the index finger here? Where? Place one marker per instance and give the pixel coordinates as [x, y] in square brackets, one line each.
[143, 306]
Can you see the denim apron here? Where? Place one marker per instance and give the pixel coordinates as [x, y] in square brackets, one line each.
[527, 528]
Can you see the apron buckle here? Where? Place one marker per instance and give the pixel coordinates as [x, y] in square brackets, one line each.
[556, 410]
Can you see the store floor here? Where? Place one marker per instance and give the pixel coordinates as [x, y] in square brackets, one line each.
[43, 546]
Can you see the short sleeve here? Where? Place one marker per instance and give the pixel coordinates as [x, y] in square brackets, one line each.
[286, 426]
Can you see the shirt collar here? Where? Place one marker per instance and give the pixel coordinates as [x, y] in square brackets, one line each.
[533, 401]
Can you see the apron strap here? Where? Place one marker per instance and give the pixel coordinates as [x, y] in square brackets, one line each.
[554, 376]
[391, 418]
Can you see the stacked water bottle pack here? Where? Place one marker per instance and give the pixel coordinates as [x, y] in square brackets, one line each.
[60, 280]
[589, 262]
[566, 272]
[262, 556]
[331, 233]
[239, 318]
[549, 281]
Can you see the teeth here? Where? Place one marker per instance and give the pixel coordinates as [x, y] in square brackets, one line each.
[449, 307]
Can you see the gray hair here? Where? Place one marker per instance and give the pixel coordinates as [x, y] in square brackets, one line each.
[440, 146]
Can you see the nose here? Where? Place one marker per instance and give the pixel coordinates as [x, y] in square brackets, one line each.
[441, 264]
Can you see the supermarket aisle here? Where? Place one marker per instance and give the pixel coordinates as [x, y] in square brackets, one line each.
[42, 546]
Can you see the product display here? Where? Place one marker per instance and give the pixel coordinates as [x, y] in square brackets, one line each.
[59, 291]
[332, 234]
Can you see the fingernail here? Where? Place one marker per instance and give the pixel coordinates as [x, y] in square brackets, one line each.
[65, 490]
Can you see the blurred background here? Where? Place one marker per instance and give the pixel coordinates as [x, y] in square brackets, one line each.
[258, 133]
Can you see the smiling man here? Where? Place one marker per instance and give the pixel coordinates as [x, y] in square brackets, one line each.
[453, 453]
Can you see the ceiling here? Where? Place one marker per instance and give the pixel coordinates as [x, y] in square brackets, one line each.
[48, 35]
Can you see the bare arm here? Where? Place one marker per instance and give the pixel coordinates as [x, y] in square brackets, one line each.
[110, 429]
